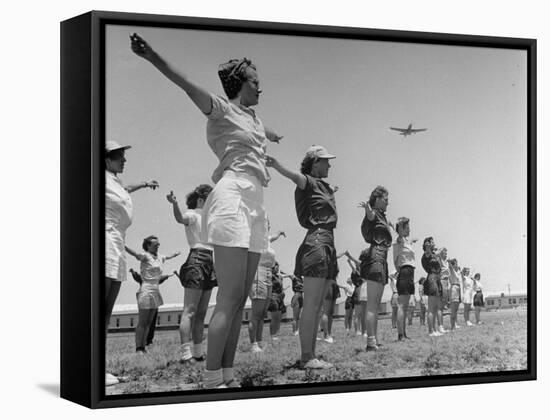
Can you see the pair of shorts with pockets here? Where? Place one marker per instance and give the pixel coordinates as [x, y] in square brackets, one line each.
[432, 285]
[197, 272]
[350, 303]
[316, 256]
[234, 214]
[261, 285]
[405, 280]
[374, 264]
[149, 299]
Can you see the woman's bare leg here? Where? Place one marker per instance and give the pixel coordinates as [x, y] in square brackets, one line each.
[314, 292]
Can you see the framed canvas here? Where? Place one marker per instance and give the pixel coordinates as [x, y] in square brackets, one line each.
[254, 209]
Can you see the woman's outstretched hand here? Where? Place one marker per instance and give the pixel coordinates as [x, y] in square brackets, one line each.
[141, 47]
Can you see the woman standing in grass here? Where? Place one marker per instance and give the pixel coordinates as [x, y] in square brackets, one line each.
[260, 294]
[327, 317]
[374, 262]
[432, 285]
[479, 303]
[234, 220]
[196, 275]
[276, 306]
[148, 297]
[118, 218]
[468, 297]
[297, 301]
[316, 257]
[394, 300]
[360, 295]
[423, 300]
[404, 260]
[455, 291]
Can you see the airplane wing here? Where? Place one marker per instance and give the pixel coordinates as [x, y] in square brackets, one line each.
[401, 130]
[417, 130]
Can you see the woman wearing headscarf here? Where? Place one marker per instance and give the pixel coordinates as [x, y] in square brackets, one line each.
[455, 291]
[316, 258]
[374, 261]
[196, 275]
[468, 294]
[234, 220]
[432, 284]
[404, 260]
[118, 217]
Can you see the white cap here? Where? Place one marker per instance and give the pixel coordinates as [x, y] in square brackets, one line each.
[111, 145]
[319, 152]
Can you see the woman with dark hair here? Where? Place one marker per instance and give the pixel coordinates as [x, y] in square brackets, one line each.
[432, 285]
[479, 303]
[276, 306]
[316, 257]
[118, 217]
[374, 265]
[349, 304]
[148, 297]
[360, 295]
[234, 215]
[260, 295]
[196, 275]
[404, 260]
[455, 291]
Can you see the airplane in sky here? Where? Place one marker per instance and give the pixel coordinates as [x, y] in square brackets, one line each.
[408, 131]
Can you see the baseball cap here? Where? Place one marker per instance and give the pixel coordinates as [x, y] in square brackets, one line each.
[111, 145]
[319, 152]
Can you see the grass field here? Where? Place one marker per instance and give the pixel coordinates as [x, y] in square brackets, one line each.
[499, 344]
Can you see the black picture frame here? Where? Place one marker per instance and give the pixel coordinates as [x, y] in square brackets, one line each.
[82, 204]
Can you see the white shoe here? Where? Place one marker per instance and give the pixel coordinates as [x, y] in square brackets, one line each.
[317, 364]
[435, 334]
[358, 333]
[297, 332]
[274, 338]
[365, 336]
[110, 379]
[329, 339]
[256, 348]
[469, 324]
[442, 330]
[457, 327]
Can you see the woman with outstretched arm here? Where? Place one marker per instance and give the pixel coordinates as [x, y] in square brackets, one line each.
[316, 257]
[234, 221]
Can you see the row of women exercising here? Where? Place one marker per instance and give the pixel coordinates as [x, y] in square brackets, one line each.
[228, 232]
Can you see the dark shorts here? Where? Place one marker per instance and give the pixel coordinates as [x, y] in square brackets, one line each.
[297, 301]
[316, 256]
[333, 291]
[350, 303]
[478, 300]
[197, 272]
[277, 303]
[432, 285]
[445, 290]
[374, 264]
[405, 280]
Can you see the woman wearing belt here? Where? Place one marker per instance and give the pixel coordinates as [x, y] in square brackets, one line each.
[374, 265]
[316, 257]
[404, 260]
[196, 275]
[260, 295]
[432, 285]
[233, 220]
[118, 217]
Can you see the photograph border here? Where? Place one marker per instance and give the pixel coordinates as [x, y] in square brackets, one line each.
[82, 205]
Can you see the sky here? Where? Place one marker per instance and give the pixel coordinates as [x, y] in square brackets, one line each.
[463, 181]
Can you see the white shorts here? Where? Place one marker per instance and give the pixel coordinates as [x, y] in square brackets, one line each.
[234, 213]
[115, 254]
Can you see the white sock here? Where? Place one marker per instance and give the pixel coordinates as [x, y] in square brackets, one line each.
[186, 347]
[212, 378]
[227, 374]
[198, 350]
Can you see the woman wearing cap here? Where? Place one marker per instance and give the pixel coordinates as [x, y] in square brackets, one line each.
[479, 303]
[260, 294]
[148, 297]
[316, 257]
[455, 291]
[234, 215]
[118, 217]
[196, 275]
[404, 260]
[432, 285]
[468, 294]
[374, 265]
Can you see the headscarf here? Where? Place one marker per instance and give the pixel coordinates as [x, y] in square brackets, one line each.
[233, 74]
